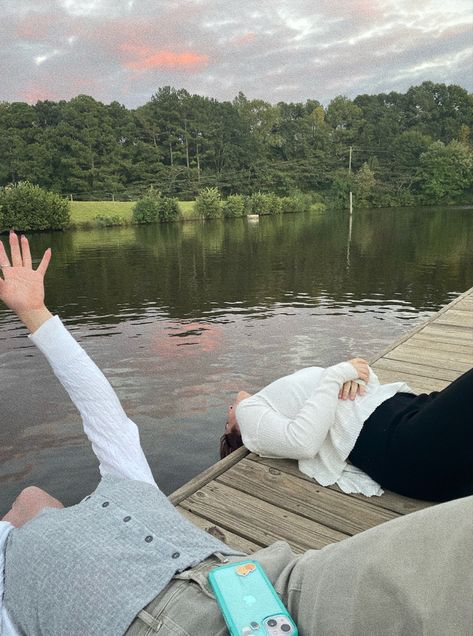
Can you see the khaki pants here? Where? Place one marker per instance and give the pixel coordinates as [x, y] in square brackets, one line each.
[411, 576]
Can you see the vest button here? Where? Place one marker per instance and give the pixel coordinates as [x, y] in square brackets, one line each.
[176, 555]
[125, 519]
[148, 539]
[105, 504]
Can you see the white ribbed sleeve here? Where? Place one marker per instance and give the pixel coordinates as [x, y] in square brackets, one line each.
[114, 437]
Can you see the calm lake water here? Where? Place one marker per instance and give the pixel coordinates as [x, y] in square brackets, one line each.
[180, 317]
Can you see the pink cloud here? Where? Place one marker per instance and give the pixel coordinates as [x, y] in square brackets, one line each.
[147, 57]
[34, 27]
[246, 38]
[35, 92]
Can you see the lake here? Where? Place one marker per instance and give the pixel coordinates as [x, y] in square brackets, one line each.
[181, 316]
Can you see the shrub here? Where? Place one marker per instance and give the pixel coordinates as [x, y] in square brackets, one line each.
[264, 203]
[103, 220]
[25, 206]
[168, 209]
[146, 209]
[234, 206]
[275, 203]
[208, 204]
[297, 202]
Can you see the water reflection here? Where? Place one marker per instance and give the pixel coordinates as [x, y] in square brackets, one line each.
[181, 316]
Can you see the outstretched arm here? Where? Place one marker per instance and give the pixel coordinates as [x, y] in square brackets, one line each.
[114, 437]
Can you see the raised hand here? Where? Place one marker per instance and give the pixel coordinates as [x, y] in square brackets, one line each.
[22, 287]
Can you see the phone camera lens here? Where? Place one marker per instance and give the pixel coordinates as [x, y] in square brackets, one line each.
[272, 622]
[285, 627]
[254, 625]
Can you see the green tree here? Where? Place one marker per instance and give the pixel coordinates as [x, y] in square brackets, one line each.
[363, 185]
[446, 172]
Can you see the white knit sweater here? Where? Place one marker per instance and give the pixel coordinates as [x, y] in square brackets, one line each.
[301, 417]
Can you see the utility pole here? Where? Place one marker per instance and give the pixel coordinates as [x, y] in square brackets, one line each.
[349, 174]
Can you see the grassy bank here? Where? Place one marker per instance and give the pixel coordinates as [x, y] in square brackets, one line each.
[105, 213]
[91, 214]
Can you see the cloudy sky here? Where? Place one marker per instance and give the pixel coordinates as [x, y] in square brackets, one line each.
[278, 50]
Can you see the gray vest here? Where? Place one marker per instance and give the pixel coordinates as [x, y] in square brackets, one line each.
[89, 569]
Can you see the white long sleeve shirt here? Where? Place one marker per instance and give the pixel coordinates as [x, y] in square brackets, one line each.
[114, 437]
[301, 417]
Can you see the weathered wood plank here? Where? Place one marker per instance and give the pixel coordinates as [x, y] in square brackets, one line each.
[417, 383]
[456, 318]
[466, 306]
[389, 500]
[427, 343]
[459, 362]
[257, 520]
[433, 339]
[424, 370]
[207, 475]
[229, 538]
[448, 333]
[330, 508]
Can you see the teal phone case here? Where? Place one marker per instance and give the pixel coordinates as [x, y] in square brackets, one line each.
[247, 598]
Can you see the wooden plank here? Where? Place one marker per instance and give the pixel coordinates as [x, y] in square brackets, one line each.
[466, 306]
[304, 498]
[207, 475]
[448, 333]
[444, 338]
[423, 370]
[405, 353]
[257, 520]
[389, 500]
[417, 383]
[229, 538]
[427, 343]
[457, 318]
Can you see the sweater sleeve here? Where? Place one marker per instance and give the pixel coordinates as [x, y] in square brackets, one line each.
[6, 627]
[114, 437]
[269, 433]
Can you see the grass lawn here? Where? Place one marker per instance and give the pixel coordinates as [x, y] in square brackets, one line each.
[84, 212]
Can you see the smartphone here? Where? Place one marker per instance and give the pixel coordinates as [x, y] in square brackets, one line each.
[248, 601]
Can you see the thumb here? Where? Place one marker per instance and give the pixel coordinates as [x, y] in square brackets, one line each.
[43, 266]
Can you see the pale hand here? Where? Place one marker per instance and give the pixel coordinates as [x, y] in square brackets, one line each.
[350, 390]
[362, 368]
[22, 287]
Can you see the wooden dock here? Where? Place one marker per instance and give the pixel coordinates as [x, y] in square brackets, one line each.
[250, 502]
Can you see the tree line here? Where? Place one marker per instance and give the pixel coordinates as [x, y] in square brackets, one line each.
[389, 149]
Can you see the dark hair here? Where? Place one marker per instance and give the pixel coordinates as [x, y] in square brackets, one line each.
[229, 442]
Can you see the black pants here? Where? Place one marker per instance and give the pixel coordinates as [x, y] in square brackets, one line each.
[421, 446]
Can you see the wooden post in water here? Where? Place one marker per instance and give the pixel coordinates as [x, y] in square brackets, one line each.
[349, 174]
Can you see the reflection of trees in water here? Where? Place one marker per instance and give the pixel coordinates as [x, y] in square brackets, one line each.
[196, 270]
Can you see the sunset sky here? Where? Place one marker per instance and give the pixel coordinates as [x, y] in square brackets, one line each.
[277, 50]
